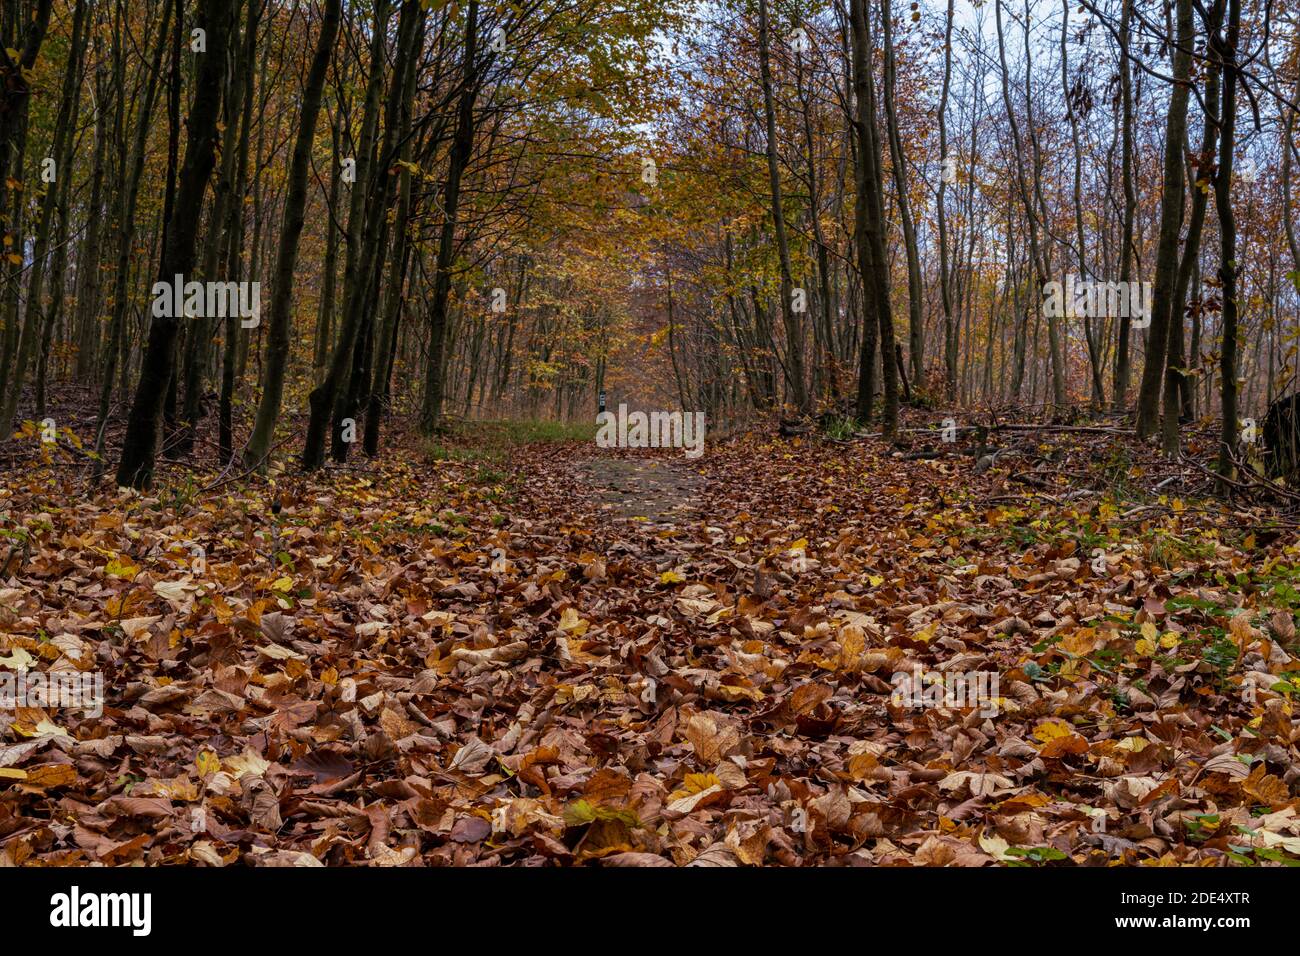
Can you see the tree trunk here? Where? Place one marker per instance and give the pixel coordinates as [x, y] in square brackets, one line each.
[277, 339]
[14, 80]
[461, 148]
[1227, 54]
[324, 396]
[130, 168]
[329, 270]
[945, 281]
[795, 378]
[32, 332]
[135, 469]
[1171, 220]
[916, 318]
[1128, 253]
[873, 262]
[1177, 397]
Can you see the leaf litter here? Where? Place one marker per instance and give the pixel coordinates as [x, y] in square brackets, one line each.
[643, 660]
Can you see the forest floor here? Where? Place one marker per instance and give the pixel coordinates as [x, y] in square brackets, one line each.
[547, 652]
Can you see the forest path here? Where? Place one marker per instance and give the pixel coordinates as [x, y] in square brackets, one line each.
[661, 490]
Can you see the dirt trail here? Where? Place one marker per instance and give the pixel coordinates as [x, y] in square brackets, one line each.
[661, 490]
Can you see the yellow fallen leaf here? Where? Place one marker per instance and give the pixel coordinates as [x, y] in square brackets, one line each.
[1240, 630]
[250, 761]
[571, 622]
[52, 775]
[1051, 729]
[19, 660]
[207, 762]
[44, 728]
[174, 591]
[224, 612]
[997, 848]
[119, 568]
[695, 783]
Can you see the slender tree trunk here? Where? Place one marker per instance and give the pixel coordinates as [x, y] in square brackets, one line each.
[383, 188]
[1178, 380]
[795, 377]
[949, 164]
[135, 469]
[32, 332]
[1171, 220]
[1036, 252]
[1090, 336]
[329, 269]
[87, 280]
[1227, 51]
[1128, 254]
[62, 188]
[462, 148]
[915, 293]
[383, 358]
[277, 340]
[869, 230]
[235, 334]
[131, 168]
[30, 25]
[325, 395]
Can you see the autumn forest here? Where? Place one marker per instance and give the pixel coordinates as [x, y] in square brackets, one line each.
[649, 434]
